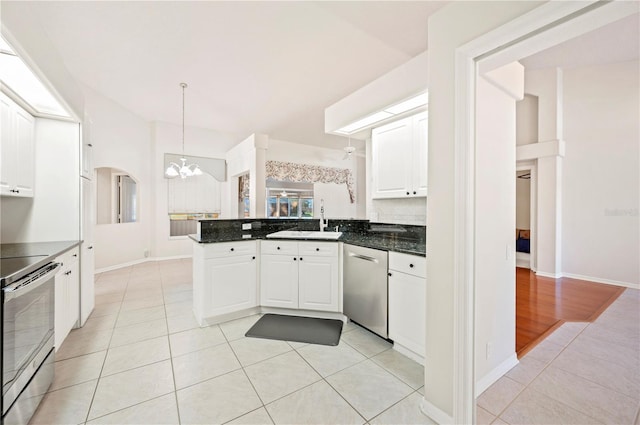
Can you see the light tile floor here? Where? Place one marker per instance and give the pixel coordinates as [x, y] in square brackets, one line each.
[142, 359]
[583, 373]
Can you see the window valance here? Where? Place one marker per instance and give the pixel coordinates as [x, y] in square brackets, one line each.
[289, 171]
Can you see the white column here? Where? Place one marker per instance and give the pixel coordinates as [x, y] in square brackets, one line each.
[547, 85]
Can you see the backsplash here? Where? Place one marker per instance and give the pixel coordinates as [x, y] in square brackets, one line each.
[399, 211]
[260, 227]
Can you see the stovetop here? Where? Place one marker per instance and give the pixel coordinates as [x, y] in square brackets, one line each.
[13, 268]
[20, 259]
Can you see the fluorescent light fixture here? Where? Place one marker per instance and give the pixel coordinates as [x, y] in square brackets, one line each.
[23, 82]
[409, 104]
[388, 112]
[364, 122]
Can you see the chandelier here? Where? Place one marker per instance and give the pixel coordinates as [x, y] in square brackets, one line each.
[183, 170]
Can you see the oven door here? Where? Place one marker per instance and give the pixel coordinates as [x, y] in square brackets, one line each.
[28, 325]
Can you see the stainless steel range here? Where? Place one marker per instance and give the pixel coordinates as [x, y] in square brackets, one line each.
[27, 335]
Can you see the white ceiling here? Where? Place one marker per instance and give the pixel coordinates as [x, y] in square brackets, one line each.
[252, 67]
[261, 67]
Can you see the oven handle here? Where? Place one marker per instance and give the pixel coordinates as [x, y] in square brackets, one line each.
[21, 287]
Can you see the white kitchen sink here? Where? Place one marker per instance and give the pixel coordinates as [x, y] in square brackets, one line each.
[302, 234]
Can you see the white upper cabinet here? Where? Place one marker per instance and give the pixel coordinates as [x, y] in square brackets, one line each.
[17, 150]
[399, 158]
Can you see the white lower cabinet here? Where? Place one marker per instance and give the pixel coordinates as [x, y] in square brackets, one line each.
[224, 278]
[300, 275]
[407, 301]
[67, 295]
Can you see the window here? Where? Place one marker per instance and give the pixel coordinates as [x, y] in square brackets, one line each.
[289, 200]
[192, 199]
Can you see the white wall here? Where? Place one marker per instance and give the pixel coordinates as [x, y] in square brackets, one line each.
[495, 296]
[53, 213]
[121, 140]
[248, 156]
[523, 203]
[450, 27]
[601, 172]
[167, 138]
[527, 120]
[546, 85]
[102, 176]
[336, 196]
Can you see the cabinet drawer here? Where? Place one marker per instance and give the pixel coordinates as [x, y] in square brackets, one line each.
[229, 249]
[410, 264]
[69, 257]
[318, 249]
[279, 247]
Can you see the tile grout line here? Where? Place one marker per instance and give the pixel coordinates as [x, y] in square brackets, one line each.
[95, 390]
[173, 372]
[527, 386]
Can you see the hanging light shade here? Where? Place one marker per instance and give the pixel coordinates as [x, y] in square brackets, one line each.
[183, 170]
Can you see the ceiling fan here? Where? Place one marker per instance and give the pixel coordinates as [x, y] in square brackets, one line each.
[349, 150]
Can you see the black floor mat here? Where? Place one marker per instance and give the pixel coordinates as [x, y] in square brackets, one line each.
[297, 328]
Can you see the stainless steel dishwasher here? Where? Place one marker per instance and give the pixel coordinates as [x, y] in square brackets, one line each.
[366, 288]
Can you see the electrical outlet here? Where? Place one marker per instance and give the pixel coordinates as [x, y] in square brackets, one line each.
[146, 253]
[246, 226]
[489, 350]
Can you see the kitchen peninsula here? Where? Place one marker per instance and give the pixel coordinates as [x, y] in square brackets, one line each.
[240, 269]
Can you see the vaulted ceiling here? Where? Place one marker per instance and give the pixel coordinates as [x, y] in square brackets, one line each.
[259, 67]
[251, 67]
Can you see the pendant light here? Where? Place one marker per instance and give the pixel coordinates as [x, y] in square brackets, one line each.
[349, 150]
[183, 170]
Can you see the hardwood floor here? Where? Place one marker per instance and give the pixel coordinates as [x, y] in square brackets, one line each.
[543, 304]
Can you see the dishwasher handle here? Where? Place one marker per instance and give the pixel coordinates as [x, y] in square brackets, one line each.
[363, 257]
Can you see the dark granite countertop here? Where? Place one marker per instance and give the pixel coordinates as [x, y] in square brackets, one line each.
[17, 259]
[398, 238]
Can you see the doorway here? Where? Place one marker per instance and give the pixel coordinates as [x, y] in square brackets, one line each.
[546, 27]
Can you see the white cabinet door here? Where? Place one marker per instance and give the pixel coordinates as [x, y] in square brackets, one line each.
[17, 176]
[391, 154]
[231, 282]
[279, 281]
[420, 150]
[87, 261]
[8, 147]
[61, 297]
[67, 296]
[407, 311]
[318, 283]
[86, 150]
[73, 303]
[399, 158]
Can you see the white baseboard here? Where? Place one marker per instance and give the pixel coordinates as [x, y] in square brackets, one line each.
[435, 414]
[408, 353]
[551, 275]
[497, 373]
[590, 279]
[600, 280]
[140, 261]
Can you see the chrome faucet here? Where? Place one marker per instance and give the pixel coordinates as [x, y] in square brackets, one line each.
[323, 222]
